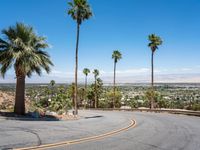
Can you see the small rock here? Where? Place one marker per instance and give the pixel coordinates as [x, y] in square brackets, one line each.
[51, 113]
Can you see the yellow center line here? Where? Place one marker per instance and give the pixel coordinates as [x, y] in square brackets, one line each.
[82, 140]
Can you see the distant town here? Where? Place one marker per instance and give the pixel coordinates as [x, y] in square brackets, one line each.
[168, 95]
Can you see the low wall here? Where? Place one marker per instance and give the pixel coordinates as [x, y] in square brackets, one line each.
[172, 111]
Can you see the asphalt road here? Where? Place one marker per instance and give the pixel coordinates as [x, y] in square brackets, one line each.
[153, 131]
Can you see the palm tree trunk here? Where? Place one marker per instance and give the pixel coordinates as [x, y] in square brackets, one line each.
[114, 85]
[85, 94]
[95, 93]
[152, 79]
[76, 71]
[72, 96]
[19, 107]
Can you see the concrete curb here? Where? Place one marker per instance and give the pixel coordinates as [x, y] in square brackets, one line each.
[171, 111]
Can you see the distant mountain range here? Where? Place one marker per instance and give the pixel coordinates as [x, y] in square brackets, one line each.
[191, 85]
[159, 78]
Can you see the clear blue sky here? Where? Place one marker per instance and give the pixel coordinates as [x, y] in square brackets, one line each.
[116, 24]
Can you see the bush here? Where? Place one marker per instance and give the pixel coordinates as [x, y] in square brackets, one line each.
[196, 107]
[55, 99]
[133, 103]
[60, 102]
[110, 96]
[104, 103]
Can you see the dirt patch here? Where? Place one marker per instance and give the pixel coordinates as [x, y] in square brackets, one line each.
[6, 100]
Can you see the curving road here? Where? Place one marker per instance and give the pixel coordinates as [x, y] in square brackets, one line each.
[153, 131]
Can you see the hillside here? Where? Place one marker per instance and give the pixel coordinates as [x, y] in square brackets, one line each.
[6, 100]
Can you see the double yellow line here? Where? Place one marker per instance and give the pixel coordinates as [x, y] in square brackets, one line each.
[82, 140]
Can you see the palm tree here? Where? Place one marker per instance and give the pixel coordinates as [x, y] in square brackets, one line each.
[79, 11]
[155, 41]
[22, 49]
[71, 92]
[116, 56]
[52, 83]
[96, 74]
[86, 71]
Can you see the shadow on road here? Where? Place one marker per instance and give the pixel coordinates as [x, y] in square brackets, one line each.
[92, 117]
[26, 117]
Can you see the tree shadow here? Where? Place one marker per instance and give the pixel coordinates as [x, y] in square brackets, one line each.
[92, 117]
[27, 117]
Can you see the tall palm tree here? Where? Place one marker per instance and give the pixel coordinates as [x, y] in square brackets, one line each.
[116, 56]
[23, 49]
[86, 71]
[96, 74]
[155, 41]
[79, 11]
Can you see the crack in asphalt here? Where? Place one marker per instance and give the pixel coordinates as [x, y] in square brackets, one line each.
[39, 141]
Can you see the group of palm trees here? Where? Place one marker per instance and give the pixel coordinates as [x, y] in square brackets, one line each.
[23, 49]
[116, 56]
[86, 71]
[80, 11]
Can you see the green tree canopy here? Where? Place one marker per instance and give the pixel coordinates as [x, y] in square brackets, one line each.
[116, 56]
[22, 48]
[86, 71]
[155, 41]
[96, 73]
[80, 10]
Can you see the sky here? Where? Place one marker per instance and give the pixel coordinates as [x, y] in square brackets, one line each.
[116, 25]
